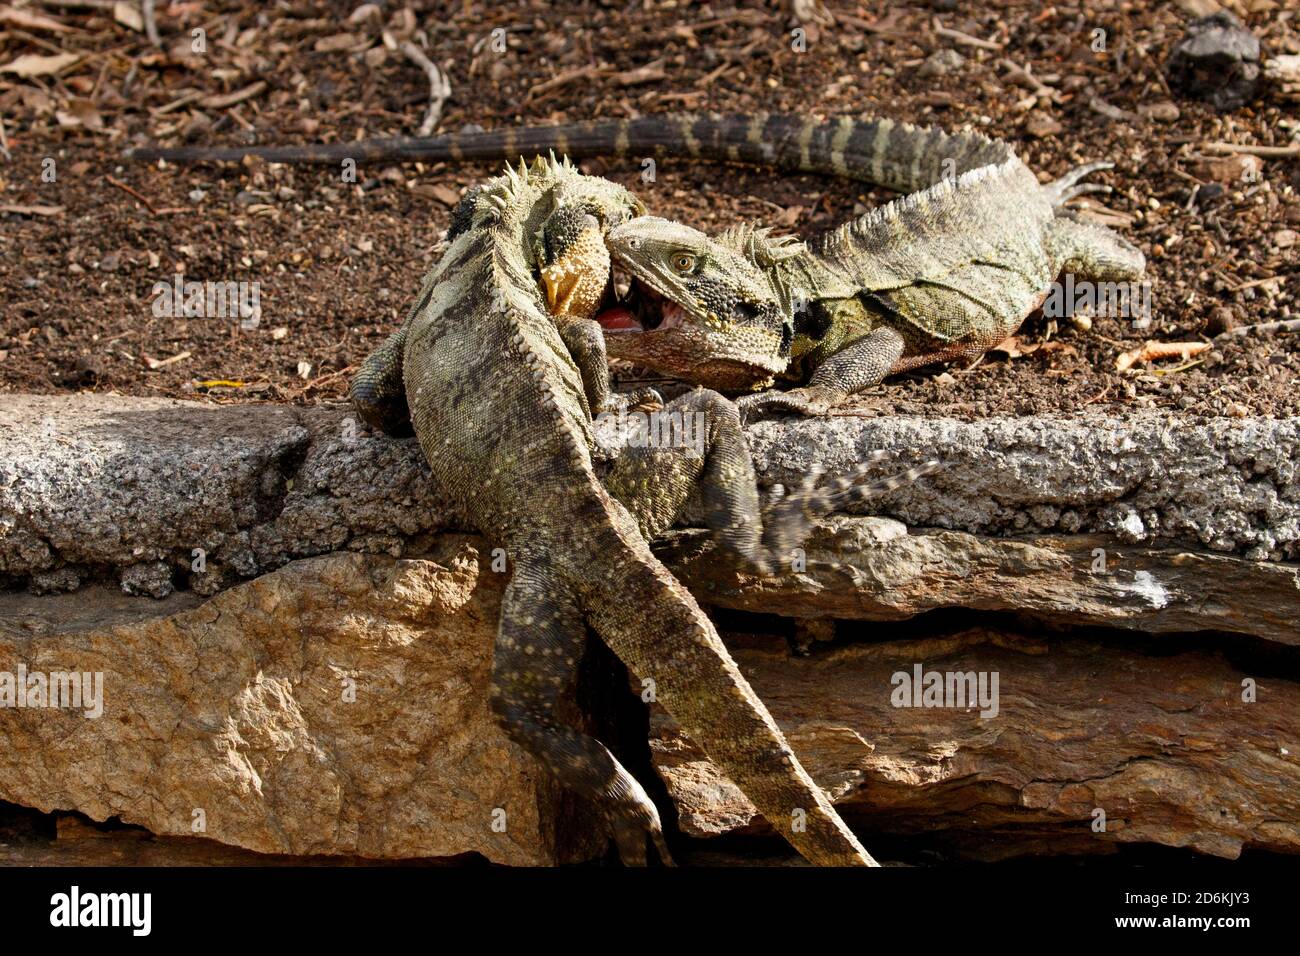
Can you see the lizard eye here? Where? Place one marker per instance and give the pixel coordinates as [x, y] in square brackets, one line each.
[683, 262]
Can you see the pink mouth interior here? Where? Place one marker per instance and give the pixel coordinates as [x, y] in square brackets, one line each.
[618, 319]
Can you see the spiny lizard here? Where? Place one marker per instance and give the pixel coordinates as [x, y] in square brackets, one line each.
[945, 273]
[502, 409]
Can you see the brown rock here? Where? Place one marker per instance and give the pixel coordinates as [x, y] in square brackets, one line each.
[1221, 320]
[1164, 746]
[1162, 112]
[238, 707]
[1040, 125]
[1232, 170]
[873, 569]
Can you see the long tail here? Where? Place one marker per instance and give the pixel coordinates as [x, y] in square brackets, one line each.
[892, 154]
[655, 627]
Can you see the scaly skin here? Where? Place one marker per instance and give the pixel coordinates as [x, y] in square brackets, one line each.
[502, 410]
[942, 275]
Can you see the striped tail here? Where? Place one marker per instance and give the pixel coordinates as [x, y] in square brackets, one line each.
[896, 155]
[658, 630]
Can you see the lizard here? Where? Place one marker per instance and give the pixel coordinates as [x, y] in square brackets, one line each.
[947, 272]
[502, 409]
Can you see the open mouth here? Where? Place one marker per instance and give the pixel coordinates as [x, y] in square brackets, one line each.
[636, 306]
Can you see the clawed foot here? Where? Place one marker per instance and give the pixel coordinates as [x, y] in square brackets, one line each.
[631, 821]
[789, 518]
[645, 400]
[810, 401]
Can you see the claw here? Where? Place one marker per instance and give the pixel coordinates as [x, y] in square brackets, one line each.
[810, 401]
[1061, 190]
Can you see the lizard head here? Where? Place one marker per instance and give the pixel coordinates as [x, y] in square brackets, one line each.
[574, 262]
[696, 308]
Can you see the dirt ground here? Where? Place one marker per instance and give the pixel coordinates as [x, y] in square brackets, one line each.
[337, 263]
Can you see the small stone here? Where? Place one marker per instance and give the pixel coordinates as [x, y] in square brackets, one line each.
[1233, 170]
[941, 63]
[1221, 320]
[1162, 112]
[197, 195]
[1040, 125]
[1217, 61]
[1284, 238]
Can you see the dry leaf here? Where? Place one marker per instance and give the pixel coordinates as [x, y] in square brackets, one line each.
[80, 113]
[32, 21]
[128, 14]
[443, 194]
[32, 210]
[32, 65]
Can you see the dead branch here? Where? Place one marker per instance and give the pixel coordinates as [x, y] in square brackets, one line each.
[439, 87]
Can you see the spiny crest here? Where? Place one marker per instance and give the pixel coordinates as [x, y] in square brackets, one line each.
[943, 191]
[757, 244]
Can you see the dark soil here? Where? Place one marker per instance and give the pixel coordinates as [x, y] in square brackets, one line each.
[338, 262]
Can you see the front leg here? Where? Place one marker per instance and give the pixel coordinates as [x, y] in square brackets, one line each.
[586, 344]
[654, 483]
[860, 364]
[377, 391]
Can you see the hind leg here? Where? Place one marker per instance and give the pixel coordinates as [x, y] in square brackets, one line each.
[534, 664]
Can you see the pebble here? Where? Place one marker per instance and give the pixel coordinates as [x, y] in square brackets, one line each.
[1162, 112]
[1217, 60]
[1221, 320]
[941, 63]
[1040, 125]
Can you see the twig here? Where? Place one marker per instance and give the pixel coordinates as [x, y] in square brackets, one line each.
[1274, 151]
[1282, 325]
[128, 190]
[439, 87]
[1152, 351]
[1258, 282]
[183, 100]
[155, 364]
[564, 79]
[79, 4]
[1098, 397]
[219, 101]
[965, 38]
[150, 22]
[4, 142]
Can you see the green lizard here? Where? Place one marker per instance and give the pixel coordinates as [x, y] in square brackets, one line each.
[502, 407]
[944, 273]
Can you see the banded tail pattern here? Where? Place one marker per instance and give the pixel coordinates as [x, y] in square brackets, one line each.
[896, 155]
